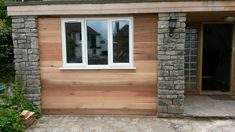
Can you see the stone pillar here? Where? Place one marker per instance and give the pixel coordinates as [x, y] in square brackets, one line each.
[26, 53]
[171, 66]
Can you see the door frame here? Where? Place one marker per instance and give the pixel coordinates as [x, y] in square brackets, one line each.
[200, 60]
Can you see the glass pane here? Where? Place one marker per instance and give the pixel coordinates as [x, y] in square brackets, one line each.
[120, 41]
[97, 41]
[190, 65]
[73, 42]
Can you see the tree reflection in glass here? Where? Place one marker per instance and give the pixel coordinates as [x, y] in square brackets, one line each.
[73, 42]
[120, 41]
[97, 41]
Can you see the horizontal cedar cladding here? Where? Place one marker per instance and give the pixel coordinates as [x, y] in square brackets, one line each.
[99, 91]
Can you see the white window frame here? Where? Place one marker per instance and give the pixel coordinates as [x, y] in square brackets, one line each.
[84, 64]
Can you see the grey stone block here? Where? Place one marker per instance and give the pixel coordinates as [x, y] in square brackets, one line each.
[21, 41]
[179, 82]
[171, 96]
[179, 102]
[164, 57]
[182, 19]
[176, 73]
[170, 52]
[168, 67]
[162, 73]
[33, 51]
[33, 57]
[175, 109]
[162, 108]
[32, 90]
[165, 102]
[17, 20]
[34, 30]
[17, 36]
[168, 78]
[30, 24]
[35, 72]
[23, 30]
[32, 34]
[165, 85]
[34, 42]
[20, 51]
[17, 25]
[33, 82]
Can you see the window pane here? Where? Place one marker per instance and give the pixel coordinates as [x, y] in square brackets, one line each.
[97, 41]
[121, 42]
[73, 42]
[190, 64]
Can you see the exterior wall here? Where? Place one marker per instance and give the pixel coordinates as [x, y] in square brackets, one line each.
[171, 66]
[99, 91]
[25, 39]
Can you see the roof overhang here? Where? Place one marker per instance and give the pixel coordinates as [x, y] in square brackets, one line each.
[120, 8]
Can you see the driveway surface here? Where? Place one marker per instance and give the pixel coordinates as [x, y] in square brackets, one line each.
[129, 124]
[210, 106]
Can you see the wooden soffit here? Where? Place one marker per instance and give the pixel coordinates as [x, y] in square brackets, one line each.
[120, 8]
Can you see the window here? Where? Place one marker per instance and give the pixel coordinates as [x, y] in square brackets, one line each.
[97, 43]
[190, 64]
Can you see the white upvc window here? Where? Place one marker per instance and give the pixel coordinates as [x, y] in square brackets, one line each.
[97, 43]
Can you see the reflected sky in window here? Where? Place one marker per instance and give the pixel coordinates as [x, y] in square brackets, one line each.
[99, 26]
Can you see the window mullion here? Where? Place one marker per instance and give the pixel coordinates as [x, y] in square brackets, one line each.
[110, 43]
[85, 42]
[64, 43]
[131, 42]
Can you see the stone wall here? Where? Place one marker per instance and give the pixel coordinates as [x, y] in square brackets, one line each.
[171, 78]
[26, 53]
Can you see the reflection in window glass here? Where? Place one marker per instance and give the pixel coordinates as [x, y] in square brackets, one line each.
[120, 41]
[97, 41]
[73, 42]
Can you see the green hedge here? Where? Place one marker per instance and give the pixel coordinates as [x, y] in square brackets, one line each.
[7, 71]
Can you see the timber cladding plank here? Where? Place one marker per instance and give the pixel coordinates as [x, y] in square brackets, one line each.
[145, 37]
[50, 39]
[99, 91]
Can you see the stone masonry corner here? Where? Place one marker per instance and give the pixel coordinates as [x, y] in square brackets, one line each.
[171, 66]
[26, 53]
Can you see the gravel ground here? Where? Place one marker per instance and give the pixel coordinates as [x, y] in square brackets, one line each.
[129, 124]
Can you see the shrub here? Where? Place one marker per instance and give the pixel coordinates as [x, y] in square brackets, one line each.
[7, 72]
[13, 97]
[14, 103]
[6, 46]
[10, 120]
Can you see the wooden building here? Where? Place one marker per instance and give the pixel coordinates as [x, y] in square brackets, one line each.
[125, 57]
